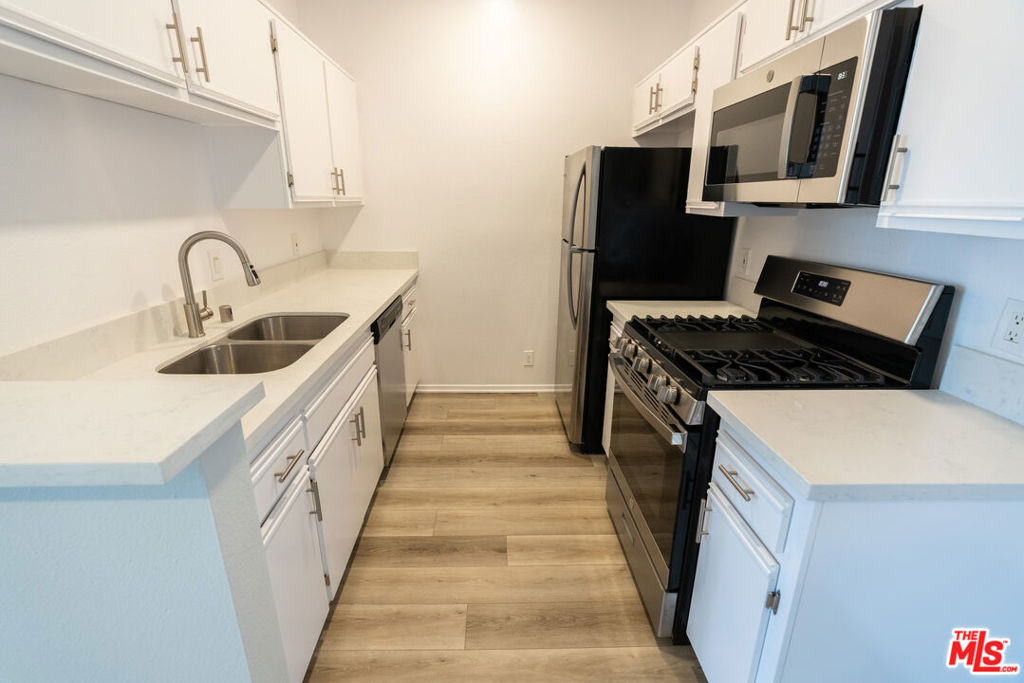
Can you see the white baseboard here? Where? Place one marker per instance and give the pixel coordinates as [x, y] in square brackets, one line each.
[485, 388]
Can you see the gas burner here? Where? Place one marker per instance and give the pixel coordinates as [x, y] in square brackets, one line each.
[704, 323]
[778, 367]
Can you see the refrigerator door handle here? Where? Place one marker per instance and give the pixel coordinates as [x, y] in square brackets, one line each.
[573, 315]
[573, 249]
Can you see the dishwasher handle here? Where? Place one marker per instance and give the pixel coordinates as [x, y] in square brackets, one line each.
[386, 320]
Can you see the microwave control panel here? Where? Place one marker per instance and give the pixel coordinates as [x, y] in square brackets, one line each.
[831, 290]
[827, 140]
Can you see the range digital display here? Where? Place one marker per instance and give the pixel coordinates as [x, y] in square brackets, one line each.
[831, 290]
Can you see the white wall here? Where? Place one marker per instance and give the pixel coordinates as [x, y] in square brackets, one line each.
[467, 108]
[95, 199]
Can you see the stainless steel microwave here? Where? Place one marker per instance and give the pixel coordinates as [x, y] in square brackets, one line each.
[815, 127]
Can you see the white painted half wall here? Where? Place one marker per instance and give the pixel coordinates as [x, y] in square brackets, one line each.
[467, 108]
[95, 199]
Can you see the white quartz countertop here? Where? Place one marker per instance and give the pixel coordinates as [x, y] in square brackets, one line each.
[362, 294]
[627, 309]
[112, 433]
[878, 444]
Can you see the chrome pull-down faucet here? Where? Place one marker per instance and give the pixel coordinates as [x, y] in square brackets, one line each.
[193, 315]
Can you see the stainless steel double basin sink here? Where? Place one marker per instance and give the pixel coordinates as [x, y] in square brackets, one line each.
[261, 345]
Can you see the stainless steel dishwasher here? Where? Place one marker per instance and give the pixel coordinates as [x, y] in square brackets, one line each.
[387, 347]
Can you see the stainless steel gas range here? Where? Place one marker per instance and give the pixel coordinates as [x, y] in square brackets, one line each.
[818, 326]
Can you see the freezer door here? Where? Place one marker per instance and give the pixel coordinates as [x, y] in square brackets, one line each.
[575, 284]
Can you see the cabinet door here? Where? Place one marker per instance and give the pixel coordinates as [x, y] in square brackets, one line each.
[344, 117]
[728, 616]
[678, 82]
[767, 28]
[410, 343]
[230, 41]
[300, 72]
[644, 96]
[961, 171]
[296, 575]
[717, 67]
[370, 447]
[334, 471]
[133, 34]
[816, 15]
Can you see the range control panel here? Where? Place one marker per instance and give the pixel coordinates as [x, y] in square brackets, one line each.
[831, 290]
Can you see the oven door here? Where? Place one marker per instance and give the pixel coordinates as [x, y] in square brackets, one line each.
[653, 460]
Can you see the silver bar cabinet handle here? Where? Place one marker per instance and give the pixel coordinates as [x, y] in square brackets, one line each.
[293, 460]
[362, 421]
[731, 476]
[789, 22]
[334, 181]
[408, 340]
[176, 27]
[358, 438]
[314, 488]
[899, 147]
[702, 530]
[205, 68]
[806, 18]
[341, 179]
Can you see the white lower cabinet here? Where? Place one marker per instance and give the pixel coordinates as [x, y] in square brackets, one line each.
[296, 574]
[735, 574]
[412, 362]
[345, 468]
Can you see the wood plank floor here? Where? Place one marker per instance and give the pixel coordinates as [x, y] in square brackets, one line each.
[488, 555]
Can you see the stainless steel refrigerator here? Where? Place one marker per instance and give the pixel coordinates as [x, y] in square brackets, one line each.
[625, 235]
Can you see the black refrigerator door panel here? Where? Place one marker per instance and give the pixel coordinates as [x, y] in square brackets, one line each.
[648, 247]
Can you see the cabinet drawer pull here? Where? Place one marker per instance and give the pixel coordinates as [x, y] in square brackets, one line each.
[293, 460]
[408, 340]
[176, 27]
[731, 476]
[205, 68]
[314, 488]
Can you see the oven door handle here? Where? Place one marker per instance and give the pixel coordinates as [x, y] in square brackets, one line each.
[815, 84]
[670, 434]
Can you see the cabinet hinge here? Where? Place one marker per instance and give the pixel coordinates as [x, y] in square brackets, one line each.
[327, 579]
[772, 602]
[291, 180]
[273, 43]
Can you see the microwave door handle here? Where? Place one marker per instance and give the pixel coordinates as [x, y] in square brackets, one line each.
[787, 126]
[815, 84]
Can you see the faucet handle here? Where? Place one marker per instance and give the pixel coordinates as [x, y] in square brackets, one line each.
[205, 313]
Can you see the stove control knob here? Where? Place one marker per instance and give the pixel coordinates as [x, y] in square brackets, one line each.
[669, 395]
[629, 349]
[642, 364]
[656, 382]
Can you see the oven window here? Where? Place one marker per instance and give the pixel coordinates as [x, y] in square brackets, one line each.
[652, 467]
[745, 139]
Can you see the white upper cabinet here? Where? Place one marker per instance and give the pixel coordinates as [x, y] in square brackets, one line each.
[668, 92]
[228, 43]
[644, 101]
[815, 15]
[344, 125]
[717, 67]
[768, 26]
[956, 161]
[133, 35]
[304, 113]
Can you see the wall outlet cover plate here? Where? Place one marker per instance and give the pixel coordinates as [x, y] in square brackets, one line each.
[1009, 335]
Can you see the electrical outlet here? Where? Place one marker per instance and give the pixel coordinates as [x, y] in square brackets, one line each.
[216, 265]
[1009, 336]
[744, 261]
[295, 244]
[528, 358]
